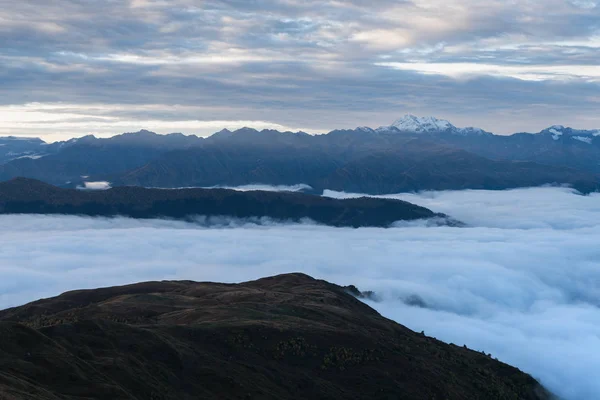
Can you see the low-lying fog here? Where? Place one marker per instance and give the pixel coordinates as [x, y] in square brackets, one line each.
[522, 282]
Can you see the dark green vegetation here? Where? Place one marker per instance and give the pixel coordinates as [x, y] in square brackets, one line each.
[29, 196]
[361, 160]
[286, 337]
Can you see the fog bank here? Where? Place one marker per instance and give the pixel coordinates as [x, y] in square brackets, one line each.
[522, 282]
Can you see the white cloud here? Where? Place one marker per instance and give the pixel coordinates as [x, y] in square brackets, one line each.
[232, 56]
[101, 185]
[528, 208]
[522, 283]
[269, 188]
[585, 4]
[68, 120]
[590, 73]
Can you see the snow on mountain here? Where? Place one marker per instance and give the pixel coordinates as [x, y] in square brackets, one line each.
[471, 130]
[414, 124]
[411, 123]
[32, 156]
[558, 131]
[584, 139]
[364, 129]
[556, 134]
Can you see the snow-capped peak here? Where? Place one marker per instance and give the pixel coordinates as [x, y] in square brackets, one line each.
[364, 129]
[557, 131]
[411, 123]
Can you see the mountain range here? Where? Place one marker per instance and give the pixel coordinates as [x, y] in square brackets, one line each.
[284, 337]
[409, 155]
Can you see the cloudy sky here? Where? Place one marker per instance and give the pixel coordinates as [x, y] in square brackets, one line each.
[72, 67]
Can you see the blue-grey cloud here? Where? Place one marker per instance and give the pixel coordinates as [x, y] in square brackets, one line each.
[311, 64]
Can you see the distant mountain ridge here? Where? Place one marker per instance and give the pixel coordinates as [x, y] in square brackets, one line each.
[407, 124]
[28, 196]
[413, 153]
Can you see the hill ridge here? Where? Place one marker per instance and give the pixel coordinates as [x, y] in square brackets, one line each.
[284, 337]
[29, 196]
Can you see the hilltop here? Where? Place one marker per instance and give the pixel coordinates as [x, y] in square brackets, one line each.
[284, 337]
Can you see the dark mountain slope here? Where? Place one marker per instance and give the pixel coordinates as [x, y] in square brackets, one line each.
[423, 165]
[35, 197]
[264, 138]
[14, 147]
[67, 162]
[75, 162]
[567, 150]
[404, 164]
[286, 337]
[232, 165]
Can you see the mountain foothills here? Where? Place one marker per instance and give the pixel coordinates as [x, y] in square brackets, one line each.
[23, 195]
[409, 155]
[274, 338]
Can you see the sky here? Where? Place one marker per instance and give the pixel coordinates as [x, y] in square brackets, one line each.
[75, 67]
[521, 282]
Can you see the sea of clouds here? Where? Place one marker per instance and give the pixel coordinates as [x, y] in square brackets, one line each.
[522, 282]
[270, 188]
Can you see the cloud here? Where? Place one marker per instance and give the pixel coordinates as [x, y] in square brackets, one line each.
[522, 282]
[105, 120]
[270, 188]
[310, 65]
[301, 187]
[586, 4]
[525, 72]
[101, 185]
[482, 208]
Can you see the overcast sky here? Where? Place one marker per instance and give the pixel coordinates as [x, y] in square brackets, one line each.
[73, 67]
